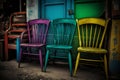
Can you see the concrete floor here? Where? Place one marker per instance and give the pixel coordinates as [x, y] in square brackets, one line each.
[58, 71]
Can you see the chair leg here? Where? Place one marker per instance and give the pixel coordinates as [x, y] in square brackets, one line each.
[46, 60]
[6, 47]
[6, 53]
[20, 58]
[17, 49]
[76, 64]
[105, 66]
[70, 63]
[40, 58]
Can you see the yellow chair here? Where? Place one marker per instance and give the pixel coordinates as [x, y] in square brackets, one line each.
[91, 33]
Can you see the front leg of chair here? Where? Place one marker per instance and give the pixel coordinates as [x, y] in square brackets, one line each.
[46, 60]
[76, 64]
[70, 63]
[17, 49]
[105, 66]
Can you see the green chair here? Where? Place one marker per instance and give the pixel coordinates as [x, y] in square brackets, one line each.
[64, 29]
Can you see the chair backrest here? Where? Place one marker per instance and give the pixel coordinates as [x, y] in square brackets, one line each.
[37, 30]
[64, 29]
[91, 32]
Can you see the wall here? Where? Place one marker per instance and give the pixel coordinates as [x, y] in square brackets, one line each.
[114, 48]
[32, 9]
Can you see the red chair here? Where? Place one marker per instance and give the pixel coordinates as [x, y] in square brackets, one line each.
[17, 26]
[37, 31]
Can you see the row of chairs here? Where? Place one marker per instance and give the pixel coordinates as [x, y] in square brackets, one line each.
[91, 33]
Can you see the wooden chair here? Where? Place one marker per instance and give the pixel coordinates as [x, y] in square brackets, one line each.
[91, 33]
[37, 30]
[16, 27]
[63, 29]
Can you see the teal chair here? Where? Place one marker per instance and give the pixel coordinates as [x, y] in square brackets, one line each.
[64, 29]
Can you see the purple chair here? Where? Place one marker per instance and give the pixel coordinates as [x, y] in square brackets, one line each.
[37, 31]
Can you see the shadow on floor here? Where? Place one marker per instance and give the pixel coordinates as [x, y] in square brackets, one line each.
[59, 71]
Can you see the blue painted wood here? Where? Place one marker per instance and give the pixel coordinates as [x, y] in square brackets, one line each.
[18, 49]
[53, 9]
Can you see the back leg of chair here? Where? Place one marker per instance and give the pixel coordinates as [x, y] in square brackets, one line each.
[41, 60]
[105, 66]
[70, 63]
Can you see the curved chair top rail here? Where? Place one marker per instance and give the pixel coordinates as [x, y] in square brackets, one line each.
[38, 21]
[99, 21]
[65, 20]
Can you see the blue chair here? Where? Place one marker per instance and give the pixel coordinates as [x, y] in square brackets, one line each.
[64, 29]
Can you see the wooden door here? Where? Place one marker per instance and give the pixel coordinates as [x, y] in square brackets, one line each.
[53, 9]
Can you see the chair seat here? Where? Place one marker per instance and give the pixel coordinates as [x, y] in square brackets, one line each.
[92, 50]
[59, 46]
[31, 45]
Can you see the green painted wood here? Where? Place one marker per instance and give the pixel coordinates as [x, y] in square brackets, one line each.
[61, 45]
[89, 8]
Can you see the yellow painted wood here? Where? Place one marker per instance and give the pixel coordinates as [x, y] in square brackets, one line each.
[105, 67]
[94, 37]
[86, 35]
[92, 50]
[90, 35]
[91, 40]
[83, 37]
[104, 32]
[98, 37]
[77, 62]
[92, 60]
[80, 43]
[114, 45]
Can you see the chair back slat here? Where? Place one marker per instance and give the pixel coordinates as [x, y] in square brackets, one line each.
[64, 29]
[83, 35]
[87, 38]
[98, 37]
[90, 35]
[94, 36]
[37, 30]
[91, 32]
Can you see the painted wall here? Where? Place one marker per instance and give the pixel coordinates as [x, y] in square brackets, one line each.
[52, 9]
[89, 8]
[114, 48]
[32, 9]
